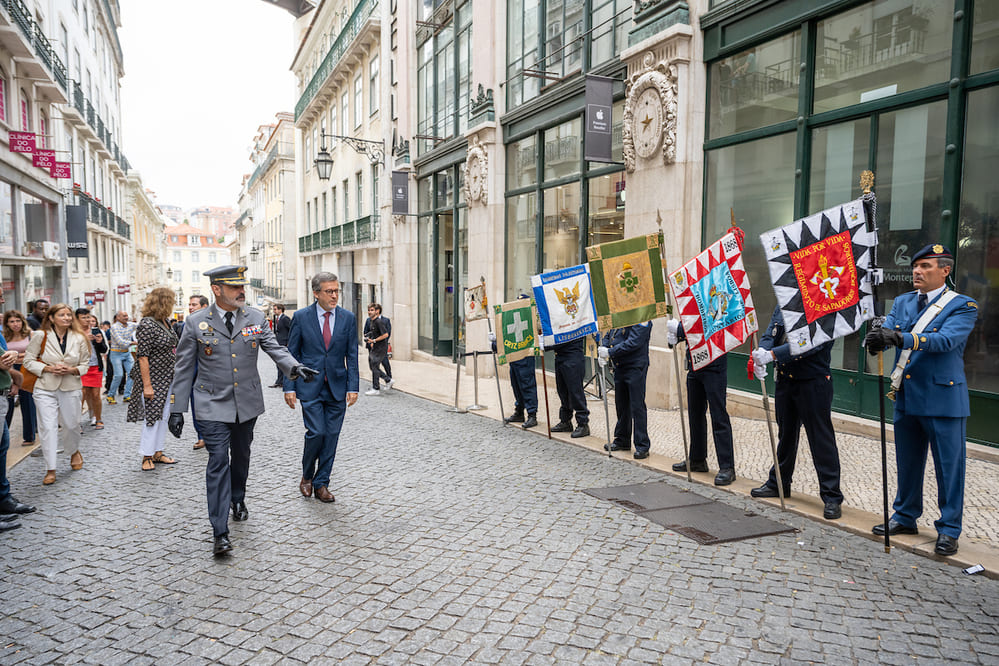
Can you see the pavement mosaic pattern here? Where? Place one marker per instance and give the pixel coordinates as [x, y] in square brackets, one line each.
[452, 540]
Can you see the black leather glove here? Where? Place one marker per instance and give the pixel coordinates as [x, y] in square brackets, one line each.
[879, 339]
[305, 372]
[176, 424]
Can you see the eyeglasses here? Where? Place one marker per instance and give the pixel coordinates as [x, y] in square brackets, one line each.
[330, 292]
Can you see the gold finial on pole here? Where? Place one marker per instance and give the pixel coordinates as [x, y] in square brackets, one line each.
[867, 180]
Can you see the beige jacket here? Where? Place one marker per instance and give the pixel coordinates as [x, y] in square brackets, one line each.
[77, 353]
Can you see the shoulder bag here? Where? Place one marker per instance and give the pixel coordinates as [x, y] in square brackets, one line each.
[28, 383]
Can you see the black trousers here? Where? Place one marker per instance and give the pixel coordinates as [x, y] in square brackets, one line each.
[228, 447]
[632, 414]
[570, 369]
[706, 391]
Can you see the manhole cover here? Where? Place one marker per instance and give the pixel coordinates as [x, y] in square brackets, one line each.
[715, 523]
[645, 496]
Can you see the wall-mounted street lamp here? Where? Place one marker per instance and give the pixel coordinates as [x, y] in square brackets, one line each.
[374, 150]
[257, 247]
[169, 273]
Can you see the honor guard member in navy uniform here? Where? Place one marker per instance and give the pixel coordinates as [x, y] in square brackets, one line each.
[803, 397]
[217, 357]
[931, 394]
[524, 381]
[628, 349]
[706, 390]
[570, 369]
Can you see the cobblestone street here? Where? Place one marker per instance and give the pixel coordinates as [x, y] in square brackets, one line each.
[452, 540]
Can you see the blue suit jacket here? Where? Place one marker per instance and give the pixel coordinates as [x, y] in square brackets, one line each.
[934, 382]
[337, 365]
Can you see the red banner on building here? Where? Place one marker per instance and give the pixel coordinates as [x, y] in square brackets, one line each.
[99, 296]
[61, 170]
[22, 142]
[43, 158]
[124, 289]
[88, 297]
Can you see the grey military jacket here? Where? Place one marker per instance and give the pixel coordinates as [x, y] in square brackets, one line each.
[222, 369]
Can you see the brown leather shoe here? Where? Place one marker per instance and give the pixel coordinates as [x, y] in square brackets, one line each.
[76, 460]
[323, 494]
[306, 487]
[200, 444]
[49, 478]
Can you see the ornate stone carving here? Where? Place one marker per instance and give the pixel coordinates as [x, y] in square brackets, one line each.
[654, 80]
[476, 173]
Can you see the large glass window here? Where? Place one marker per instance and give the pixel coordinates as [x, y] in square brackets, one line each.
[978, 237]
[562, 149]
[444, 83]
[521, 241]
[611, 20]
[522, 163]
[756, 87]
[985, 37]
[880, 49]
[606, 209]
[561, 231]
[839, 154]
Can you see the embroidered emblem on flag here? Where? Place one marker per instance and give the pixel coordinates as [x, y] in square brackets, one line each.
[516, 332]
[476, 305]
[819, 266]
[714, 302]
[628, 283]
[564, 300]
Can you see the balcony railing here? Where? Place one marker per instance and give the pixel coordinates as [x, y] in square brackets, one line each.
[257, 283]
[101, 131]
[21, 15]
[355, 232]
[363, 10]
[102, 217]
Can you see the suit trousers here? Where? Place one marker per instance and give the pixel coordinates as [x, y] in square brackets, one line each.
[153, 436]
[632, 413]
[945, 437]
[228, 447]
[323, 416]
[807, 403]
[570, 369]
[55, 408]
[706, 390]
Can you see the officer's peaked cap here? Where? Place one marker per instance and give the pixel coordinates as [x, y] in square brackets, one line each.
[233, 276]
[932, 251]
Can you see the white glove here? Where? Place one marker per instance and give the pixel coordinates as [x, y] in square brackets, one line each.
[602, 360]
[761, 357]
[760, 371]
[603, 354]
[672, 326]
[492, 337]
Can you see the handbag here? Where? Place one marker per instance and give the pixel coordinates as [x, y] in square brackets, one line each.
[28, 383]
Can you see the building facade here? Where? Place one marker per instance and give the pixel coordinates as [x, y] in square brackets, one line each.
[146, 221]
[189, 252]
[214, 219]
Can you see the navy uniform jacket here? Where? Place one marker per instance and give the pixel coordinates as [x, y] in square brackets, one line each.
[934, 382]
[812, 363]
[628, 347]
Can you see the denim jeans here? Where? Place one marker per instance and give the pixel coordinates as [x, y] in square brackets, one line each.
[122, 364]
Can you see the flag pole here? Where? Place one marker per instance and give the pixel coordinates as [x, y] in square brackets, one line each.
[544, 373]
[457, 379]
[603, 390]
[870, 209]
[676, 362]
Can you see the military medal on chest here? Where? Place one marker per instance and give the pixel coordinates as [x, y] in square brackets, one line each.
[208, 350]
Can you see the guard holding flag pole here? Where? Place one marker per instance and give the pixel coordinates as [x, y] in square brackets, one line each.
[628, 349]
[929, 328]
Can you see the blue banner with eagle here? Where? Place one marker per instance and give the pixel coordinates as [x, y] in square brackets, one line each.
[565, 304]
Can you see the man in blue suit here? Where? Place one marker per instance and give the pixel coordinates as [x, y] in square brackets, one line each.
[930, 327]
[323, 336]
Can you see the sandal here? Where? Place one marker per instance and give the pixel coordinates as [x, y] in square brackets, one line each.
[76, 461]
[99, 425]
[163, 459]
[147, 464]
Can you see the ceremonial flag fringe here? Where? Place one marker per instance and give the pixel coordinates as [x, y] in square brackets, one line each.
[476, 305]
[516, 331]
[713, 300]
[627, 280]
[565, 304]
[820, 268]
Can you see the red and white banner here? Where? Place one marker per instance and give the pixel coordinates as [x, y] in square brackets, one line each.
[43, 158]
[22, 142]
[61, 170]
[99, 296]
[124, 289]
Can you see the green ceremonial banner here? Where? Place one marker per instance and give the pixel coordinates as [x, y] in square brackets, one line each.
[627, 277]
[516, 331]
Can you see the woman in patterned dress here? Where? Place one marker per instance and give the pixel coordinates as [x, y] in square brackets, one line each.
[152, 375]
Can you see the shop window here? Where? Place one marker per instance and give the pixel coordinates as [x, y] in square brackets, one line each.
[562, 149]
[561, 230]
[985, 37]
[755, 88]
[606, 208]
[521, 241]
[880, 49]
[522, 163]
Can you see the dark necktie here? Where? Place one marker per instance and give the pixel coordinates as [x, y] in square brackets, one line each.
[228, 322]
[327, 333]
[921, 301]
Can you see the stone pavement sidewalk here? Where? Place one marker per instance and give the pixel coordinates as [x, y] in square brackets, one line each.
[860, 459]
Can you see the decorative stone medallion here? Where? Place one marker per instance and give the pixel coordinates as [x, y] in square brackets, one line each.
[650, 113]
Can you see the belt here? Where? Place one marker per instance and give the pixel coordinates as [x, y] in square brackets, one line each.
[118, 350]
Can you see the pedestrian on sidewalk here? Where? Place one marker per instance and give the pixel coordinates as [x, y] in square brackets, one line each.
[59, 354]
[376, 337]
[803, 396]
[152, 375]
[122, 337]
[929, 328]
[217, 354]
[706, 390]
[39, 309]
[570, 369]
[94, 378]
[282, 328]
[323, 336]
[18, 335]
[10, 509]
[628, 349]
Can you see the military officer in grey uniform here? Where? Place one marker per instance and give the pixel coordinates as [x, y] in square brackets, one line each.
[217, 357]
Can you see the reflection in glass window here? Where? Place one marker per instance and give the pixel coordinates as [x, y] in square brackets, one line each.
[562, 149]
[606, 209]
[755, 88]
[761, 199]
[985, 38]
[444, 81]
[978, 238]
[880, 49]
[839, 154]
[522, 163]
[425, 262]
[521, 235]
[561, 232]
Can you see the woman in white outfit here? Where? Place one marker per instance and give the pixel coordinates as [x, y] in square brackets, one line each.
[59, 354]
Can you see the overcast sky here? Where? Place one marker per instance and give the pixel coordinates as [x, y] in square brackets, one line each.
[200, 77]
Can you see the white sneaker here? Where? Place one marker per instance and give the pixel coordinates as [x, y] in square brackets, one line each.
[389, 384]
[372, 391]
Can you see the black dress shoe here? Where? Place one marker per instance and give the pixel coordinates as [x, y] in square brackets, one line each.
[562, 426]
[695, 466]
[580, 431]
[531, 422]
[222, 545]
[832, 511]
[11, 505]
[725, 477]
[12, 524]
[614, 446]
[946, 545]
[276, 385]
[239, 511]
[766, 490]
[641, 455]
[516, 417]
[894, 527]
